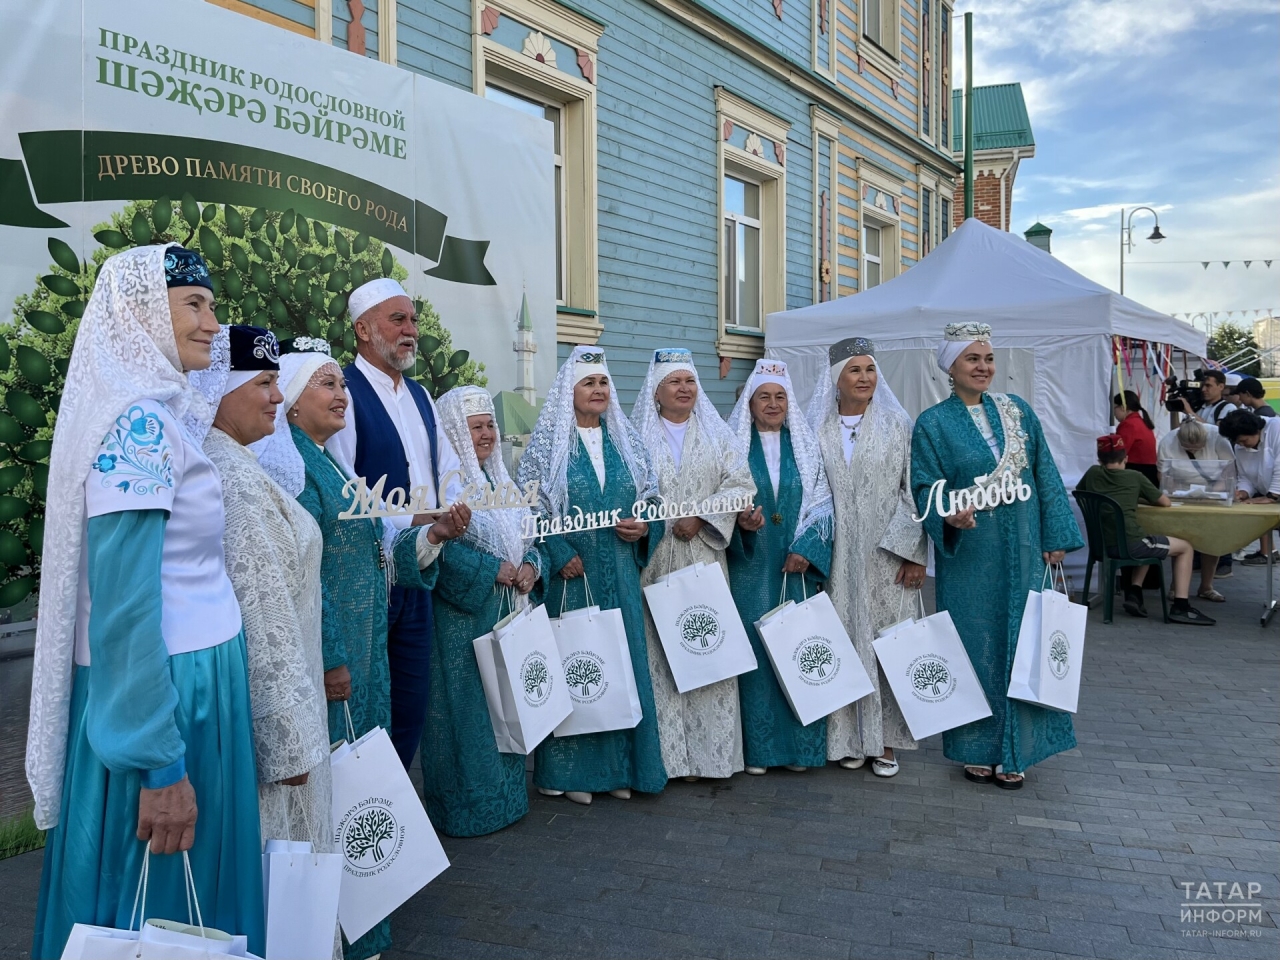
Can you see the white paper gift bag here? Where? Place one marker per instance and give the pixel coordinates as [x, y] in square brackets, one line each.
[930, 674]
[597, 670]
[389, 850]
[523, 680]
[1050, 652]
[302, 889]
[813, 658]
[157, 939]
[698, 624]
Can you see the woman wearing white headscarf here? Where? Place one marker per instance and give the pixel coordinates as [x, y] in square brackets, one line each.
[879, 551]
[783, 544]
[273, 559]
[697, 457]
[584, 453]
[140, 712]
[360, 558]
[987, 564]
[469, 788]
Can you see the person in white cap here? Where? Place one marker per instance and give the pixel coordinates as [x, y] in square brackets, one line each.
[392, 430]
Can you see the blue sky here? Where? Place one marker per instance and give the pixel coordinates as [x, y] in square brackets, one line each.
[1175, 105]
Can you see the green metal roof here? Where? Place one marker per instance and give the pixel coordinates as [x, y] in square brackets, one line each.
[1037, 229]
[1000, 118]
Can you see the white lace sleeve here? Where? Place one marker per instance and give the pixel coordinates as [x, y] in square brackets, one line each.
[736, 481]
[267, 573]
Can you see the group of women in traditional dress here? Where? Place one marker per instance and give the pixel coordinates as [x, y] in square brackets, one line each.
[239, 627]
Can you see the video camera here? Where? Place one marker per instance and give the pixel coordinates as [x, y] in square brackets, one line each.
[1179, 390]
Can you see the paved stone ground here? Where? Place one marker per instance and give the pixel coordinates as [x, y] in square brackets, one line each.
[1174, 782]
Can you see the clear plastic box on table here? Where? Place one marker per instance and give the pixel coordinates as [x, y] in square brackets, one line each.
[1202, 482]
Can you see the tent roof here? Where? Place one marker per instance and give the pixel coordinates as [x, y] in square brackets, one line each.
[981, 274]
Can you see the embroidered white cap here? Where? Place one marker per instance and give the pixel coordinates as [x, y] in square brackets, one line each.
[371, 294]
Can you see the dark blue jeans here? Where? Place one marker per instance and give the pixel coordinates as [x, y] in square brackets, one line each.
[409, 627]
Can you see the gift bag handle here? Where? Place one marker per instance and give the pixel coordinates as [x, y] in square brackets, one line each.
[586, 586]
[351, 727]
[902, 597]
[1052, 573]
[189, 887]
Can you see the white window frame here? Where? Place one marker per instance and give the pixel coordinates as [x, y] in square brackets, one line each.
[884, 230]
[888, 221]
[826, 126]
[732, 304]
[577, 319]
[739, 342]
[885, 53]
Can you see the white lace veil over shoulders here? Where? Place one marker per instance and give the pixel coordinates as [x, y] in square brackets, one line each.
[711, 425]
[124, 352]
[816, 504]
[556, 434]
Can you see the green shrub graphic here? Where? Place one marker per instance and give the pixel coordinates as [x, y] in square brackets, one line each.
[272, 269]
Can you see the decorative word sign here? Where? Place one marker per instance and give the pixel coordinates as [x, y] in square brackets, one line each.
[541, 527]
[1009, 489]
[370, 502]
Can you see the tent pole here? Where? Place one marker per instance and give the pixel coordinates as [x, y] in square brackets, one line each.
[968, 115]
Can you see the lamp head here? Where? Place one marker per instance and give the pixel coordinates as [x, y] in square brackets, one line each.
[1156, 235]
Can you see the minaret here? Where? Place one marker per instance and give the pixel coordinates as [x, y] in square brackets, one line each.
[525, 348]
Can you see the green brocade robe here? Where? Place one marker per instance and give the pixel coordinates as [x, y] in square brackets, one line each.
[468, 787]
[599, 762]
[771, 734]
[984, 574]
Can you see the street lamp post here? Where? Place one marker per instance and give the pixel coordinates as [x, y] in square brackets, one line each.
[1126, 235]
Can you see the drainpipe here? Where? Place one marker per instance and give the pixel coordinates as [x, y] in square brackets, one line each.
[1010, 171]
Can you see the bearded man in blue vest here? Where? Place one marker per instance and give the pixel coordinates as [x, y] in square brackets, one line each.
[392, 431]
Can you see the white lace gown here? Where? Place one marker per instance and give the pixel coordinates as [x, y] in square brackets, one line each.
[700, 731]
[874, 533]
[273, 549]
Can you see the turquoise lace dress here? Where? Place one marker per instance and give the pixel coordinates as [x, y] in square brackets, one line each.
[599, 762]
[771, 734]
[468, 787]
[984, 574]
[353, 627]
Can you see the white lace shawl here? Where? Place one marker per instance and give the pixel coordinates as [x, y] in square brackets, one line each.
[710, 424]
[495, 532]
[124, 352]
[815, 504]
[276, 452]
[273, 554]
[555, 436]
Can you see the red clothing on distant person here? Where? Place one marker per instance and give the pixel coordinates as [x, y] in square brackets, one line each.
[1139, 439]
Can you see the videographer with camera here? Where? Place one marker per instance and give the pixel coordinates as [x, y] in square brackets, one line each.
[1208, 402]
[1256, 444]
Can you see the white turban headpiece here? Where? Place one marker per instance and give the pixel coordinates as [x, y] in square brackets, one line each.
[369, 295]
[956, 339]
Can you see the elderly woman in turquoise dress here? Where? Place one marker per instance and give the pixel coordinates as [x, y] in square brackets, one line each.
[468, 786]
[361, 557]
[783, 543]
[140, 717]
[585, 453]
[987, 561]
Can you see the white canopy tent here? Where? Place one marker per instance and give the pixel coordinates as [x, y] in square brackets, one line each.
[1052, 330]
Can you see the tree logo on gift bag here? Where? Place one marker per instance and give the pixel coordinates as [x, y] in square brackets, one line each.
[584, 673]
[700, 630]
[931, 678]
[817, 661]
[536, 679]
[370, 837]
[1059, 654]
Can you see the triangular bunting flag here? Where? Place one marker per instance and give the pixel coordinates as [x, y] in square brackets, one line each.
[1205, 264]
[1268, 263]
[1225, 264]
[1246, 264]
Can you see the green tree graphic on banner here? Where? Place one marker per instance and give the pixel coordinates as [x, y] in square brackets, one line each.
[273, 269]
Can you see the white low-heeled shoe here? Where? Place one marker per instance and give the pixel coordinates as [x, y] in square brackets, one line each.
[884, 767]
[853, 763]
[622, 793]
[757, 771]
[550, 793]
[691, 779]
[795, 768]
[579, 796]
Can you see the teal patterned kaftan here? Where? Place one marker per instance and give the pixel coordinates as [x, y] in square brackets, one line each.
[353, 617]
[598, 762]
[984, 574]
[771, 734]
[468, 787]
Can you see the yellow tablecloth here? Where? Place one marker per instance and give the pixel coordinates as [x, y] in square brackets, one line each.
[1216, 531]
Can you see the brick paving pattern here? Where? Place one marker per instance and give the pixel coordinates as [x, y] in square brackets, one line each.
[1174, 781]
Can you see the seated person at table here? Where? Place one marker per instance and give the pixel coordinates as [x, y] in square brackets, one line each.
[1192, 441]
[1256, 444]
[1110, 478]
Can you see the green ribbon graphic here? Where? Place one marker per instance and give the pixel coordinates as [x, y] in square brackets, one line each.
[67, 166]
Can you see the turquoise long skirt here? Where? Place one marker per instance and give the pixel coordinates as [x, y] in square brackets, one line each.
[93, 858]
